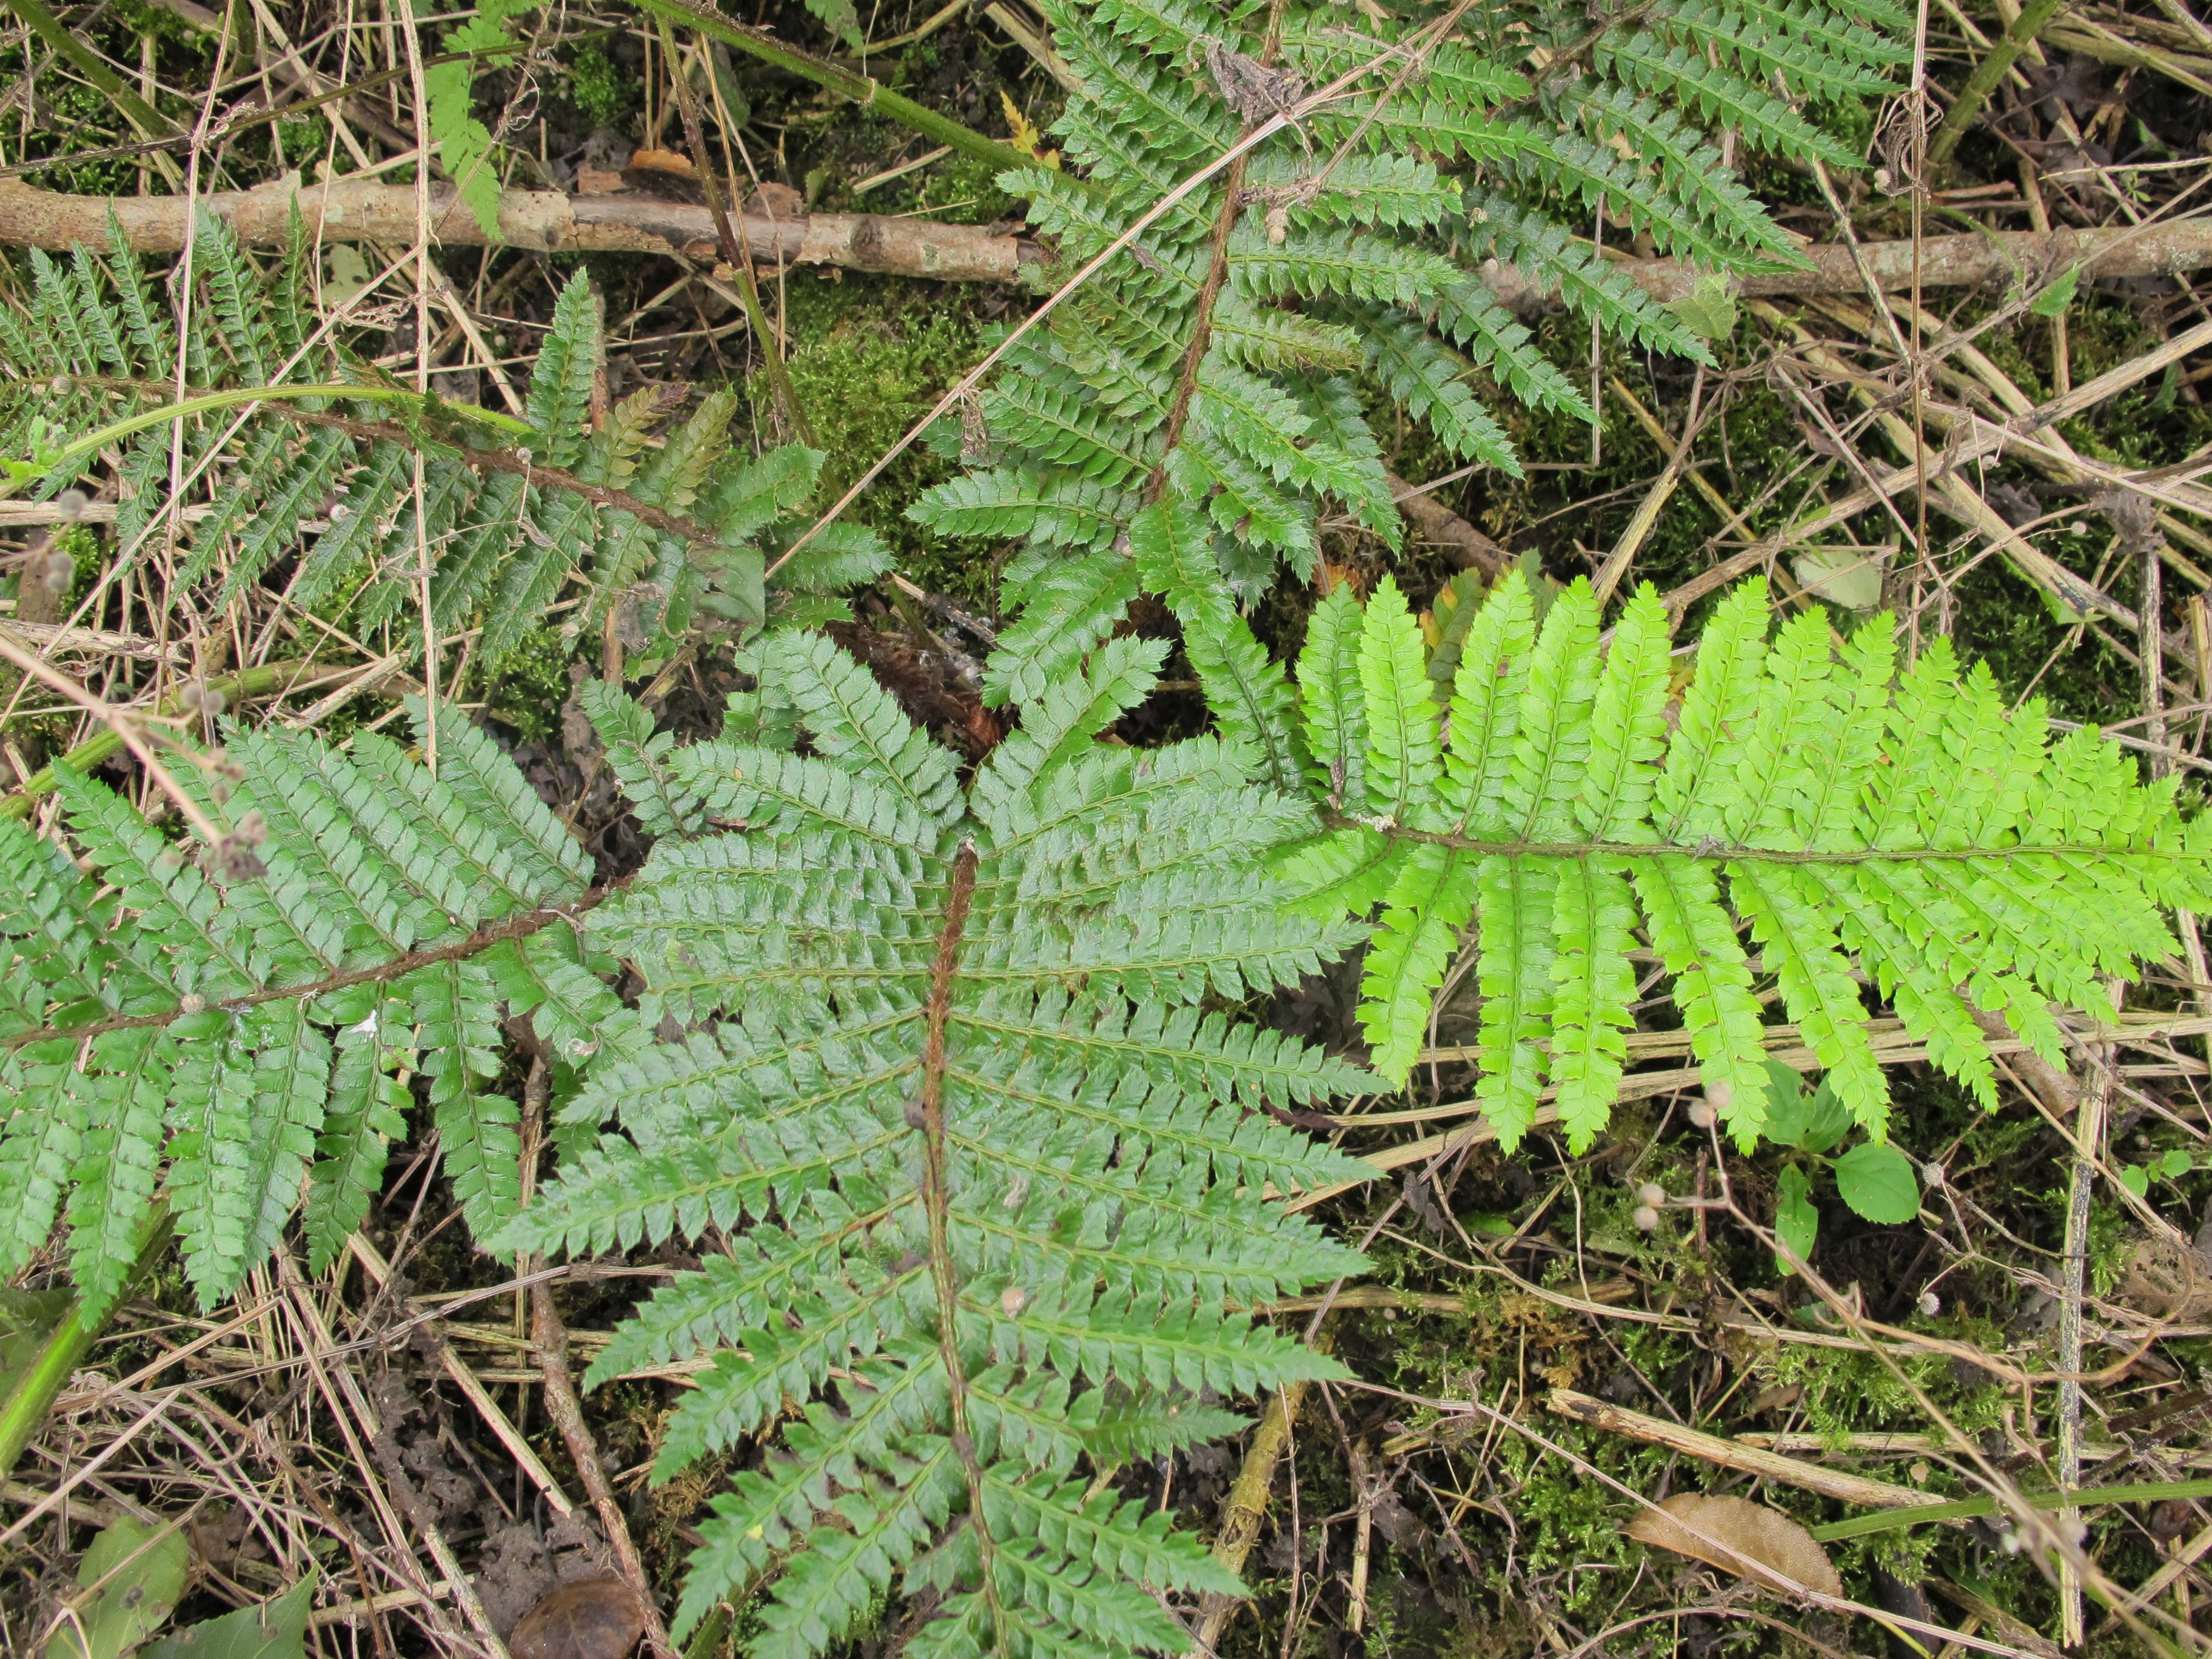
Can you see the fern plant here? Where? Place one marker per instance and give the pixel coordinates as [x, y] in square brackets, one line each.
[999, 1175]
[1223, 360]
[1872, 827]
[655, 534]
[217, 1024]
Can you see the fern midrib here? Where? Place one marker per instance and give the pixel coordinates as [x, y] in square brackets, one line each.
[936, 1197]
[516, 926]
[1712, 850]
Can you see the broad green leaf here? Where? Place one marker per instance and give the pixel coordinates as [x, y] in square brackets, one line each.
[1796, 1223]
[275, 1629]
[140, 1570]
[1877, 1181]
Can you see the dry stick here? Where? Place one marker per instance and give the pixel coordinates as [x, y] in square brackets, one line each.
[1469, 548]
[551, 1338]
[547, 222]
[2089, 1131]
[1246, 1511]
[1736, 1455]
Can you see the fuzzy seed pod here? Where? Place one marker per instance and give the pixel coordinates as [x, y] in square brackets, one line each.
[1650, 1194]
[1014, 1299]
[1645, 1218]
[1702, 1116]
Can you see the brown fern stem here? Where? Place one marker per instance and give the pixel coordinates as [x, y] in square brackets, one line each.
[521, 925]
[937, 1201]
[1202, 333]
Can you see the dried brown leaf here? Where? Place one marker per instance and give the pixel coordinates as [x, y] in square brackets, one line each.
[2166, 1279]
[591, 1618]
[1786, 1555]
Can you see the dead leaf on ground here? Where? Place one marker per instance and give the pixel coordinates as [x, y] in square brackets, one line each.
[1794, 1561]
[591, 1618]
[2166, 1279]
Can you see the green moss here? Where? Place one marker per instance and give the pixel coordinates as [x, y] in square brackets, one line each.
[532, 683]
[602, 93]
[873, 354]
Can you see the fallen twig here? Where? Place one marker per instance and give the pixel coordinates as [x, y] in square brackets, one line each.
[547, 222]
[1735, 1454]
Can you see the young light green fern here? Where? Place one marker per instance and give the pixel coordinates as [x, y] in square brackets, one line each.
[1872, 829]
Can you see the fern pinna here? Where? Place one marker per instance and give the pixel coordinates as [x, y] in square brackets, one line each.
[318, 494]
[1223, 359]
[240, 1015]
[992, 1181]
[1564, 797]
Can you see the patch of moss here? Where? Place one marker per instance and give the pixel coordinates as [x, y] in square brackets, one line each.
[531, 684]
[602, 93]
[871, 355]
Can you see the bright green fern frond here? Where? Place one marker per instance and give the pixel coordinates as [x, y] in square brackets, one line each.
[1905, 832]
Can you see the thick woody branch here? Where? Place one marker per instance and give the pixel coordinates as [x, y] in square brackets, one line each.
[546, 221]
[543, 221]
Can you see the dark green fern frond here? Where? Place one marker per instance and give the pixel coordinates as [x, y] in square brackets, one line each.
[191, 1031]
[949, 1041]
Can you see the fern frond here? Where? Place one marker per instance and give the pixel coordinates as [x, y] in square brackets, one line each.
[897, 977]
[1858, 817]
[1542, 250]
[1690, 76]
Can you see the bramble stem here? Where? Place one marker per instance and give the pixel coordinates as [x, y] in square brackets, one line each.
[66, 1344]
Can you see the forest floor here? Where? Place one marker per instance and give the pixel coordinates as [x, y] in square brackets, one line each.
[1534, 1353]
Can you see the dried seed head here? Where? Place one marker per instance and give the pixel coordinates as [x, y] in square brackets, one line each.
[213, 701]
[1719, 1095]
[71, 504]
[1931, 1176]
[192, 1003]
[1930, 1304]
[253, 829]
[1645, 1217]
[193, 694]
[1650, 1194]
[1702, 1114]
[1014, 1299]
[1279, 223]
[60, 574]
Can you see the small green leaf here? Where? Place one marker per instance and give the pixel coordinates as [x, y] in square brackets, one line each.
[2135, 1178]
[275, 1629]
[1879, 1183]
[1786, 1104]
[2054, 300]
[1795, 1221]
[145, 1568]
[1827, 1118]
[1708, 310]
[1848, 576]
[2176, 1163]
